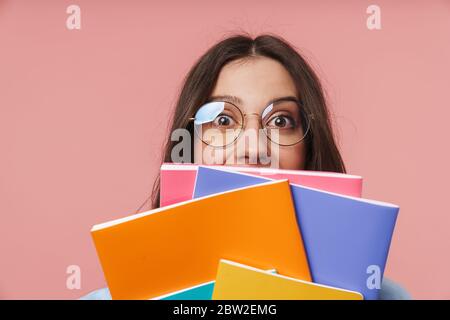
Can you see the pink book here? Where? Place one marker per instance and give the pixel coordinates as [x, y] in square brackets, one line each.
[178, 180]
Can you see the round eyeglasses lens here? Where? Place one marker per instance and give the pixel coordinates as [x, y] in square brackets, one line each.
[218, 123]
[284, 122]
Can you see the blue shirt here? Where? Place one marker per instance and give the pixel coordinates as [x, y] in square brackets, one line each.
[389, 291]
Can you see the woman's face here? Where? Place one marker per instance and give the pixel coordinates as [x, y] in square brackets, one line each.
[254, 82]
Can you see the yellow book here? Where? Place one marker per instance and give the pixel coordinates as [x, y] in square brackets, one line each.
[235, 281]
[179, 246]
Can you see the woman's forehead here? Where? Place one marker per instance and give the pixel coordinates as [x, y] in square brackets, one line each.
[253, 84]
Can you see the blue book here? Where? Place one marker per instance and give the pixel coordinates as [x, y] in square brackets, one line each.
[346, 239]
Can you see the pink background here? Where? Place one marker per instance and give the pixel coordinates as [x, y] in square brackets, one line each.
[83, 115]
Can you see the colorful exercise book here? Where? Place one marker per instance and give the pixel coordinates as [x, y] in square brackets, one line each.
[347, 239]
[236, 281]
[202, 291]
[167, 249]
[177, 180]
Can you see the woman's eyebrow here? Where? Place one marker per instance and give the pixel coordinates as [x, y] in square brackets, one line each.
[228, 98]
[238, 101]
[289, 98]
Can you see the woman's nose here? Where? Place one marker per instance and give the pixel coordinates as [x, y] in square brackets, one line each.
[252, 148]
[252, 121]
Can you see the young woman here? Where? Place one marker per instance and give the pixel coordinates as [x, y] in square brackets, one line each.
[261, 84]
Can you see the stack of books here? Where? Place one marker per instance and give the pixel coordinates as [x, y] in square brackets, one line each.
[225, 232]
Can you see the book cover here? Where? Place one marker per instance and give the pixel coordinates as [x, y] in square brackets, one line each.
[236, 281]
[177, 180]
[202, 291]
[179, 246]
[347, 239]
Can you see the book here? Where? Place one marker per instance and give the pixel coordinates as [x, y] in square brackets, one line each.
[177, 180]
[347, 239]
[236, 281]
[202, 291]
[167, 249]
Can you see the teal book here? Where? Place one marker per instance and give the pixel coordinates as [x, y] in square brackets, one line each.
[202, 291]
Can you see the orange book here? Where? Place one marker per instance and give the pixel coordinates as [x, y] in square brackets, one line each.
[178, 246]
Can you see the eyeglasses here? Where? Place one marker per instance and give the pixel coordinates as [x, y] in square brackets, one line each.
[220, 123]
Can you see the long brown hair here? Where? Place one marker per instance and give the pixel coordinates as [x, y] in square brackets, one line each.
[322, 153]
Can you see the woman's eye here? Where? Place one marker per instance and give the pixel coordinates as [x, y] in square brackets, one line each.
[223, 121]
[283, 122]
